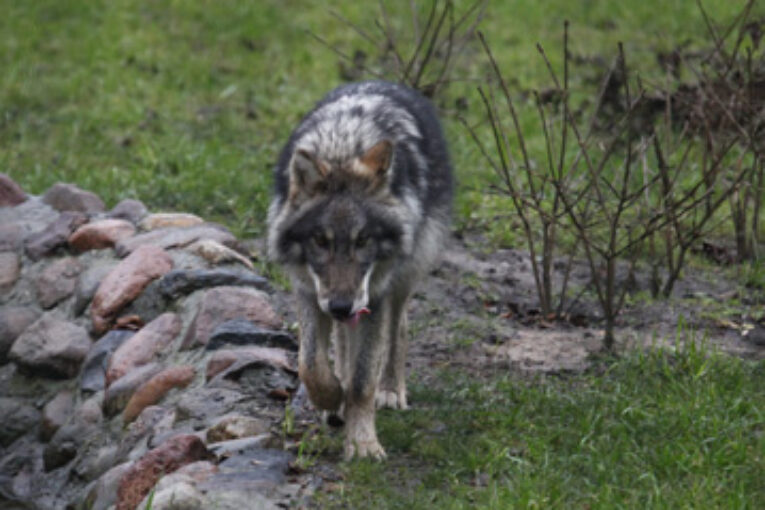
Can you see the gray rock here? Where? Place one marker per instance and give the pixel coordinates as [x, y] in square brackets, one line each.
[129, 209]
[203, 405]
[221, 304]
[244, 332]
[104, 493]
[149, 305]
[94, 367]
[68, 197]
[176, 237]
[11, 193]
[56, 413]
[13, 321]
[11, 237]
[119, 392]
[238, 500]
[88, 282]
[10, 269]
[253, 471]
[180, 282]
[142, 434]
[51, 347]
[256, 377]
[57, 281]
[31, 216]
[16, 419]
[90, 466]
[175, 492]
[64, 444]
[89, 411]
[54, 235]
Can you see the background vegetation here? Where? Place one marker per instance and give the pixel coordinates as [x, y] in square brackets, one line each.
[185, 105]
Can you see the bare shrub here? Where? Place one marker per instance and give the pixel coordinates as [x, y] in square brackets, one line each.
[613, 190]
[422, 55]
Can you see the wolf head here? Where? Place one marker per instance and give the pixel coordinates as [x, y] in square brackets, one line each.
[339, 223]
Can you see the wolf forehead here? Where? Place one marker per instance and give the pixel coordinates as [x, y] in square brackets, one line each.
[342, 216]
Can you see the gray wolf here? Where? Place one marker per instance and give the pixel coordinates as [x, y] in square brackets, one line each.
[361, 209]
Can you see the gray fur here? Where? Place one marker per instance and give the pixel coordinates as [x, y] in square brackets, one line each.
[360, 211]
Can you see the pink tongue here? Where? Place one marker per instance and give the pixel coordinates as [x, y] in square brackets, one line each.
[356, 317]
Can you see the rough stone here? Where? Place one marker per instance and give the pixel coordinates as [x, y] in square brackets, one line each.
[256, 377]
[16, 419]
[125, 282]
[88, 283]
[94, 367]
[166, 458]
[167, 220]
[154, 389]
[181, 495]
[13, 321]
[104, 493]
[10, 269]
[252, 471]
[216, 253]
[236, 427]
[225, 303]
[204, 404]
[226, 358]
[51, 347]
[144, 346]
[230, 499]
[198, 471]
[54, 235]
[152, 423]
[11, 193]
[55, 413]
[64, 444]
[68, 197]
[175, 237]
[130, 210]
[11, 237]
[57, 281]
[90, 466]
[100, 234]
[244, 332]
[180, 282]
[89, 411]
[118, 393]
[149, 305]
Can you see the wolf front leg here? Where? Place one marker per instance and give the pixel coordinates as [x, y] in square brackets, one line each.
[392, 389]
[313, 360]
[367, 350]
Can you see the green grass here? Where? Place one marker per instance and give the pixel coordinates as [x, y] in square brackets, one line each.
[185, 105]
[657, 430]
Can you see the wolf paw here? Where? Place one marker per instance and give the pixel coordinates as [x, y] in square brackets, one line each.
[363, 449]
[391, 399]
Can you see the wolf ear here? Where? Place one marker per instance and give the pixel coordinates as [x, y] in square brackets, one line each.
[306, 174]
[375, 162]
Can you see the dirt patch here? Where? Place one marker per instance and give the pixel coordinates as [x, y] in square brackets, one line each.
[478, 312]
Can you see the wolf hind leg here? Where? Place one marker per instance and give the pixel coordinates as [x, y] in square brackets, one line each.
[392, 389]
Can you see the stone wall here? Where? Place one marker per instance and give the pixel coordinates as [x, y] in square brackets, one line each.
[138, 351]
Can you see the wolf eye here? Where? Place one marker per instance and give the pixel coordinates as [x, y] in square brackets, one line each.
[321, 241]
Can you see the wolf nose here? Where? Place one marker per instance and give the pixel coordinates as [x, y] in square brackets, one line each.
[340, 308]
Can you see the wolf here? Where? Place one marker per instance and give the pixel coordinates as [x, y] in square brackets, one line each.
[361, 209]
